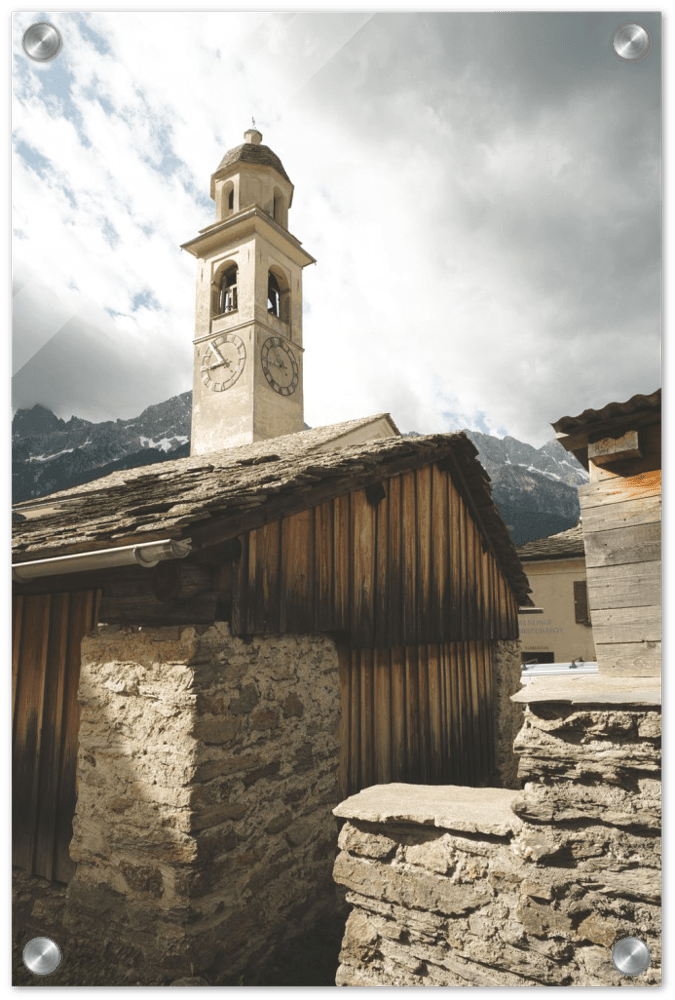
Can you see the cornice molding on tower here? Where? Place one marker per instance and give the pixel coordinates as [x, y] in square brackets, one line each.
[250, 220]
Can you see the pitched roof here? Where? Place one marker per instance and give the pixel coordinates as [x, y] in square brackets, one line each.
[565, 545]
[249, 152]
[241, 486]
[589, 418]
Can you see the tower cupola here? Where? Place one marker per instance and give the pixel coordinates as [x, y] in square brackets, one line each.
[251, 174]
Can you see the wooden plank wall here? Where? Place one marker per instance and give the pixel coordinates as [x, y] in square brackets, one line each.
[395, 566]
[418, 714]
[47, 632]
[621, 512]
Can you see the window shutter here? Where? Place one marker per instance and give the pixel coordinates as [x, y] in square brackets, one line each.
[581, 612]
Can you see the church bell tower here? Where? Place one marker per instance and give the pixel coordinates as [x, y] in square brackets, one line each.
[247, 383]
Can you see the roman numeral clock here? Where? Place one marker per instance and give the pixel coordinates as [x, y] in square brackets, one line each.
[247, 383]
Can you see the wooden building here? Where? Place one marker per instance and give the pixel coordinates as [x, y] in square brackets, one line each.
[556, 571]
[393, 547]
[620, 445]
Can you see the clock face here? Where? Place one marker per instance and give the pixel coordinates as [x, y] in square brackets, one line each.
[223, 362]
[279, 366]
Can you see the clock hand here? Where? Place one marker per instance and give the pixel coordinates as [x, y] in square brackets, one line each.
[217, 353]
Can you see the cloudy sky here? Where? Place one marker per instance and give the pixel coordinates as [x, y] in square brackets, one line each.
[481, 192]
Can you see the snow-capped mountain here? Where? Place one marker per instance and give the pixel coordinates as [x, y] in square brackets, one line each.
[552, 460]
[50, 454]
[535, 489]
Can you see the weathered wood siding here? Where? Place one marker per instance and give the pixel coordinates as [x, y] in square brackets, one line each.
[402, 564]
[419, 714]
[47, 631]
[621, 512]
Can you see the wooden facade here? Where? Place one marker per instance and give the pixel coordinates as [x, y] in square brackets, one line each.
[421, 714]
[405, 573]
[47, 630]
[621, 518]
[402, 564]
[408, 566]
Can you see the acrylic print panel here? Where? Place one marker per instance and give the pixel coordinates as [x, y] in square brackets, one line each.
[481, 192]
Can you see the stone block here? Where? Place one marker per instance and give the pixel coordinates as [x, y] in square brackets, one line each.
[300, 832]
[143, 879]
[435, 855]
[246, 700]
[279, 822]
[598, 930]
[399, 886]
[188, 812]
[368, 842]
[292, 706]
[215, 729]
[264, 719]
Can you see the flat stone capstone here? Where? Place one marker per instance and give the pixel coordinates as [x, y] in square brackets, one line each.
[450, 807]
[594, 689]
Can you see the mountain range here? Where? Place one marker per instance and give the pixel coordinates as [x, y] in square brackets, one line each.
[535, 489]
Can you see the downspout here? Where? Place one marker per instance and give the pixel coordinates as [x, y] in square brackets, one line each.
[146, 554]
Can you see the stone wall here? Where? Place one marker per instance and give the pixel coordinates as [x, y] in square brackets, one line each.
[508, 716]
[207, 772]
[490, 887]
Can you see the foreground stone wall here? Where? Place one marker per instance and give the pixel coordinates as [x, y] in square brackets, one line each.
[207, 772]
[488, 887]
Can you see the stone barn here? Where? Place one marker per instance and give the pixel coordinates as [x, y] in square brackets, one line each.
[263, 632]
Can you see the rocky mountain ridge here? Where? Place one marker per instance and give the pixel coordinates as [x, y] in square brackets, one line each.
[50, 454]
[534, 488]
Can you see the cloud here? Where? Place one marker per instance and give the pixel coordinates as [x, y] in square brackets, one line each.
[481, 193]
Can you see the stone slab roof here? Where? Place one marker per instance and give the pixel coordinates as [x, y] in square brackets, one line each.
[249, 152]
[182, 498]
[565, 545]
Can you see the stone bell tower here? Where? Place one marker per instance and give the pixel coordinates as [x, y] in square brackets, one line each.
[248, 350]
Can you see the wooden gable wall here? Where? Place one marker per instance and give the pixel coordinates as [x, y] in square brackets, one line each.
[400, 563]
[621, 516]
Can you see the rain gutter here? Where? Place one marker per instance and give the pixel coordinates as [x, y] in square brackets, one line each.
[147, 554]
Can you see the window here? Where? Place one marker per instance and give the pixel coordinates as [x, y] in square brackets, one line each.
[581, 613]
[227, 200]
[279, 213]
[278, 294]
[532, 658]
[273, 295]
[227, 298]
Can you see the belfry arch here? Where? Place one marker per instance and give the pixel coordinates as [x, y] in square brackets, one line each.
[278, 294]
[225, 291]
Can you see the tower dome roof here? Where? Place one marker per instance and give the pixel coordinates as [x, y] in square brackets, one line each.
[253, 152]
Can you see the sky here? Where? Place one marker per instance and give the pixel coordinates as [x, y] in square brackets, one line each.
[481, 192]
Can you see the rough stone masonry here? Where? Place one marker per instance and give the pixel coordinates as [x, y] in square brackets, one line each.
[454, 886]
[207, 773]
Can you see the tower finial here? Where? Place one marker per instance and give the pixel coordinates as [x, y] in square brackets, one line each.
[253, 135]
